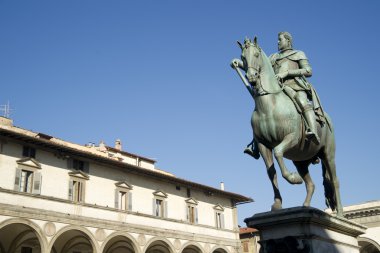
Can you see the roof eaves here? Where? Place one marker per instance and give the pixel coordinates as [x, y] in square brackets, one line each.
[237, 198]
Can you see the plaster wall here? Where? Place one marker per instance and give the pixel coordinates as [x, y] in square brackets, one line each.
[100, 195]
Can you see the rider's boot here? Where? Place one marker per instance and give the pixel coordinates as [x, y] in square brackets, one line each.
[252, 150]
[312, 132]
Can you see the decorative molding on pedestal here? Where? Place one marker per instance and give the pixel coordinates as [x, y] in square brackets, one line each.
[305, 230]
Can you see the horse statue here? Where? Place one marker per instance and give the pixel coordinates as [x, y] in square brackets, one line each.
[278, 129]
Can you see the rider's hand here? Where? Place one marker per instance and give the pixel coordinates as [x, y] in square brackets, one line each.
[282, 75]
[234, 64]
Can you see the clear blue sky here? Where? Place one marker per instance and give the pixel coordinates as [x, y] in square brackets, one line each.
[156, 75]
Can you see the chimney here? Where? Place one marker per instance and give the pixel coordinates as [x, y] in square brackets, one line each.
[118, 144]
[222, 186]
[102, 146]
[6, 121]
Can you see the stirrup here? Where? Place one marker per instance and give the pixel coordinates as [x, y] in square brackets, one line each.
[254, 153]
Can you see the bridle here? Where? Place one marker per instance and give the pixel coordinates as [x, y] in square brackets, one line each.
[258, 80]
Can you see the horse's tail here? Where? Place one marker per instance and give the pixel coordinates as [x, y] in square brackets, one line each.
[330, 197]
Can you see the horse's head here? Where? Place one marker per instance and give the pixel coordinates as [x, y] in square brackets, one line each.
[251, 57]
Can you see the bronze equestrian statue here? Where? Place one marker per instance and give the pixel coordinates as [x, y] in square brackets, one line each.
[288, 120]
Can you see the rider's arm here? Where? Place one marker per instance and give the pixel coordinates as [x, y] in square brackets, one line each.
[304, 69]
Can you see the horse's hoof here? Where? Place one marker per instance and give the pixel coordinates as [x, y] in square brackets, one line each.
[254, 153]
[277, 205]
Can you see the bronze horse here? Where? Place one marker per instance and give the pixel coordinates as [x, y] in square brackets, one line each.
[278, 130]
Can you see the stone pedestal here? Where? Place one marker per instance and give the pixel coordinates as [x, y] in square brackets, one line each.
[306, 230]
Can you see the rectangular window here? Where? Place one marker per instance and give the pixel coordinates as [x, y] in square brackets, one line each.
[191, 214]
[78, 165]
[26, 181]
[159, 208]
[123, 200]
[28, 152]
[160, 205]
[75, 164]
[245, 246]
[219, 220]
[78, 191]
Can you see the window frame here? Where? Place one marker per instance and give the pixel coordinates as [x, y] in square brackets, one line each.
[77, 186]
[123, 188]
[26, 181]
[78, 191]
[161, 210]
[28, 168]
[159, 207]
[78, 165]
[219, 217]
[191, 210]
[28, 151]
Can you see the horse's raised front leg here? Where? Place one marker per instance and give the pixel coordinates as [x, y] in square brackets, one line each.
[303, 170]
[267, 155]
[287, 143]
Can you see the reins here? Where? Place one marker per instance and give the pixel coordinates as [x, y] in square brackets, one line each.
[270, 92]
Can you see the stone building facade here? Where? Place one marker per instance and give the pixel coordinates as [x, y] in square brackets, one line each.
[249, 238]
[367, 214]
[61, 197]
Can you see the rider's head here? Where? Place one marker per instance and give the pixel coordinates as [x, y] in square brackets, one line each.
[285, 41]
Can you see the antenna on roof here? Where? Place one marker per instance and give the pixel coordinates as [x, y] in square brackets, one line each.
[6, 109]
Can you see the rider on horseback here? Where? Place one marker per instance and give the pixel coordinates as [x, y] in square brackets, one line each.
[291, 68]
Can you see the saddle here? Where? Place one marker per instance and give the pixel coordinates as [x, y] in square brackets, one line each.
[314, 98]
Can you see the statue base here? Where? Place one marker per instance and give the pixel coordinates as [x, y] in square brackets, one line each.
[306, 230]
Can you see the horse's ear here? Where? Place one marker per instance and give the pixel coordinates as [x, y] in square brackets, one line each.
[255, 40]
[240, 45]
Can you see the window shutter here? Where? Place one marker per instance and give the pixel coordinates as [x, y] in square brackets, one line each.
[83, 192]
[86, 167]
[222, 220]
[154, 207]
[37, 178]
[129, 201]
[165, 203]
[71, 183]
[70, 164]
[196, 215]
[117, 198]
[187, 213]
[17, 180]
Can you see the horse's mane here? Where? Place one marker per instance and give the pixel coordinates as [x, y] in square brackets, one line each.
[266, 61]
[267, 67]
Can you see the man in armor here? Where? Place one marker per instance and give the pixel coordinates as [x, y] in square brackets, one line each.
[291, 68]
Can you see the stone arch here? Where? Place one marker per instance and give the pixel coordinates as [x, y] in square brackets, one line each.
[159, 245]
[77, 238]
[219, 249]
[368, 245]
[192, 247]
[115, 241]
[21, 232]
